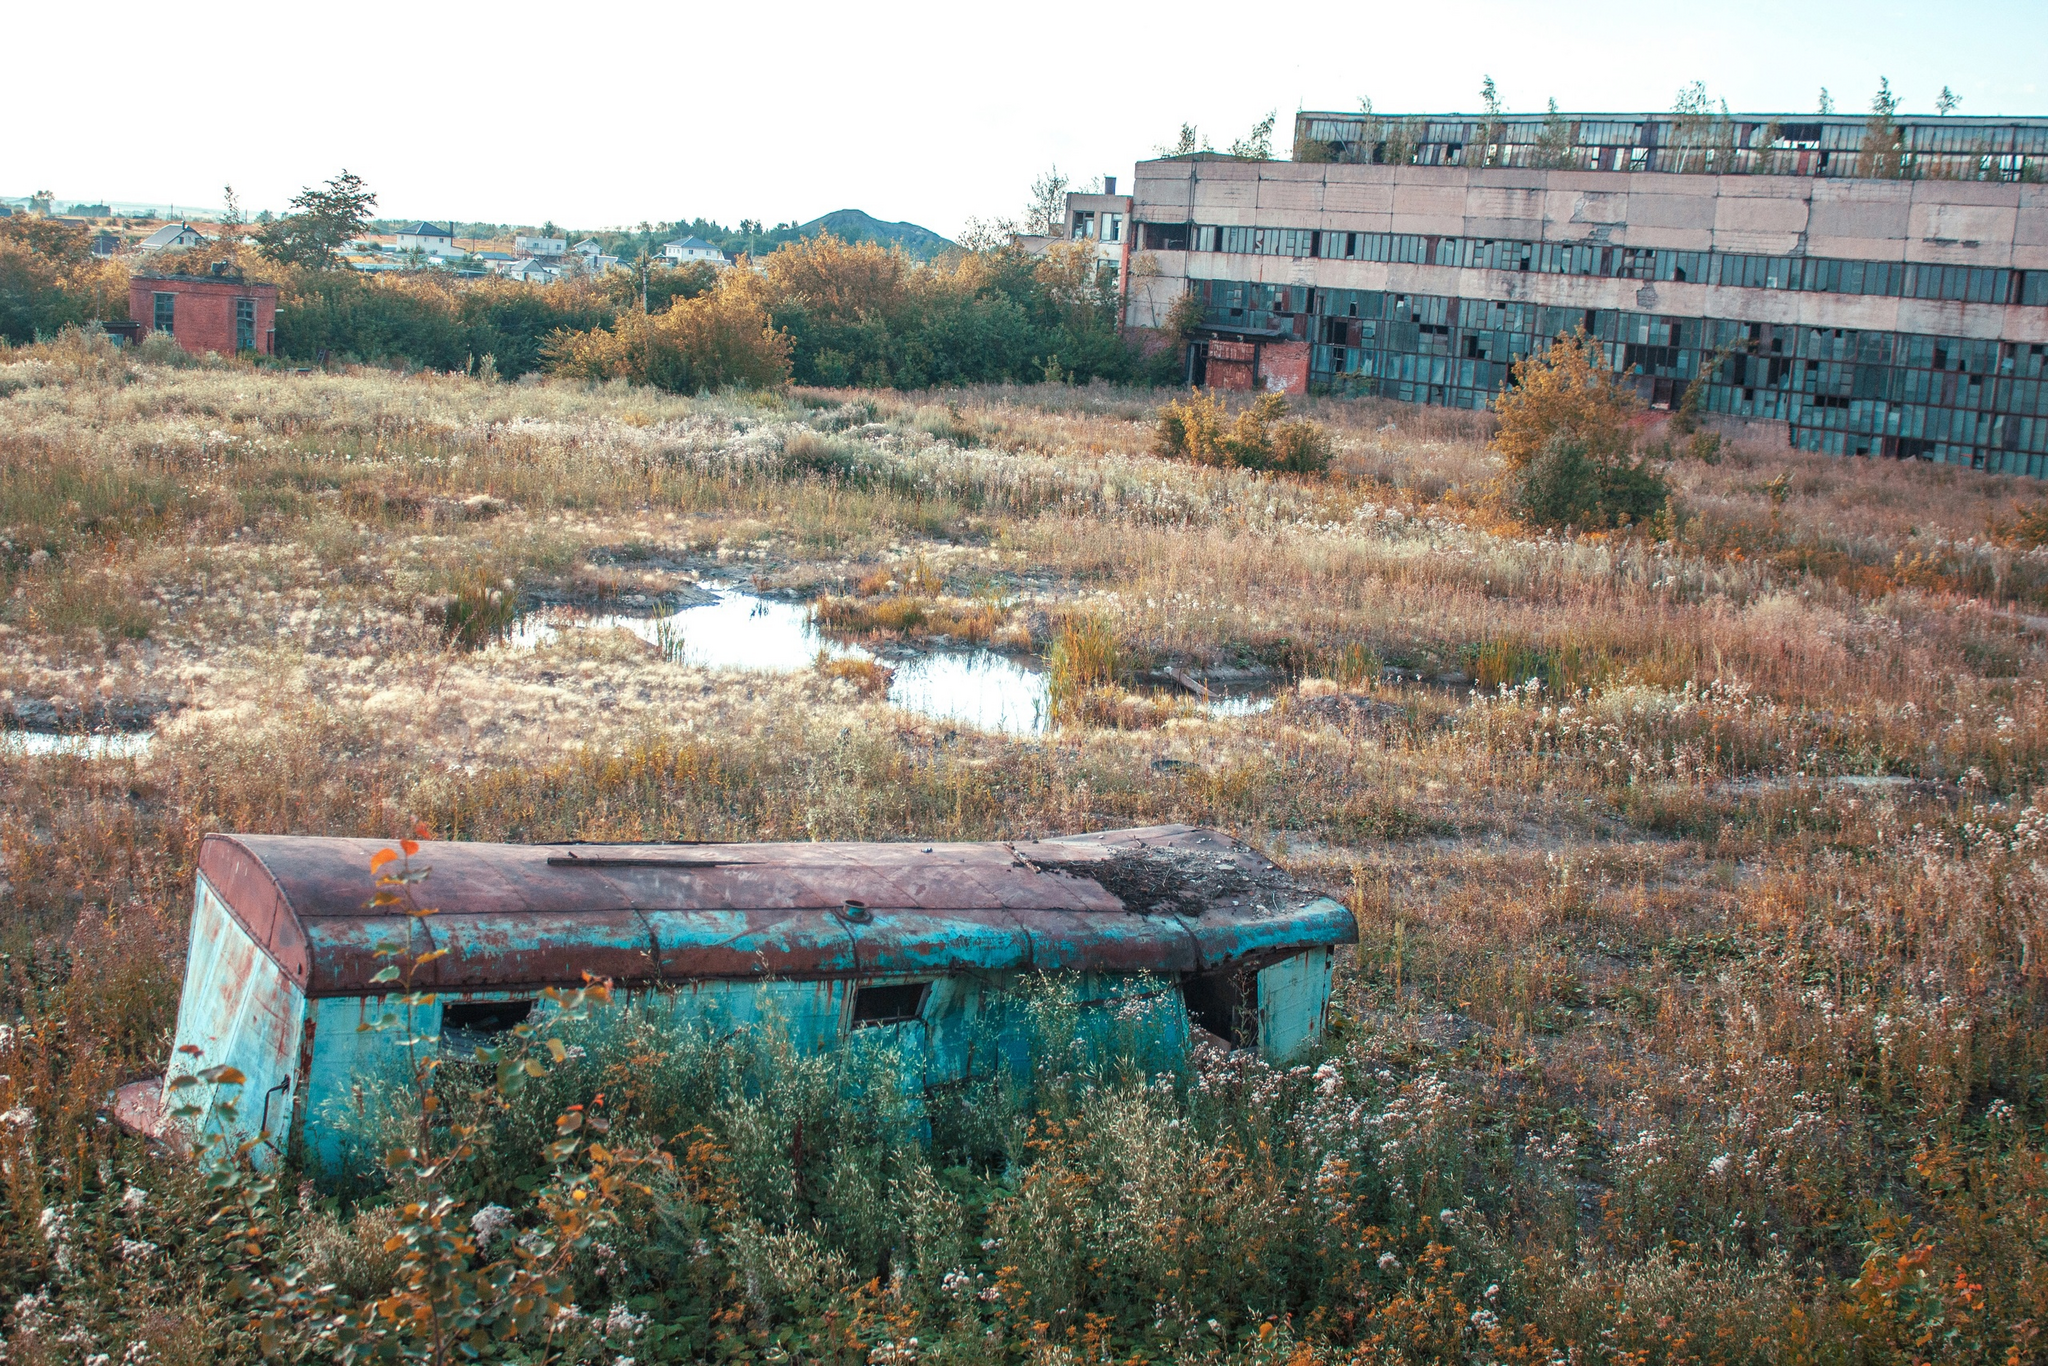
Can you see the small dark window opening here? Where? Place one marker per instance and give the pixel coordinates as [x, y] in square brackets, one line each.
[1224, 1003]
[469, 1025]
[1166, 236]
[897, 1004]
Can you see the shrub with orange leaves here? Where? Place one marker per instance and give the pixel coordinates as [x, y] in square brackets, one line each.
[1567, 392]
[718, 340]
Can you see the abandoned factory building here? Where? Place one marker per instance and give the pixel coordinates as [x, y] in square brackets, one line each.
[1880, 295]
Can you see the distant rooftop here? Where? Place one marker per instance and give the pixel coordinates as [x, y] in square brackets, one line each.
[167, 234]
[1920, 146]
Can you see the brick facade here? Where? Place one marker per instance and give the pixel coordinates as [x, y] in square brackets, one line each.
[1278, 367]
[202, 310]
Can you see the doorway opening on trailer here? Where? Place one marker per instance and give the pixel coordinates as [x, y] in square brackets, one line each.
[1225, 1004]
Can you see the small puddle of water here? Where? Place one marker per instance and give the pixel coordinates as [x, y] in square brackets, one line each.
[127, 744]
[980, 688]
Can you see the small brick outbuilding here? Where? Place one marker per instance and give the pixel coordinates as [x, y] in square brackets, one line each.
[220, 312]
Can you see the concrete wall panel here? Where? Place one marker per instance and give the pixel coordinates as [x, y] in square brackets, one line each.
[1961, 234]
[1760, 224]
[1860, 218]
[1367, 198]
[1299, 197]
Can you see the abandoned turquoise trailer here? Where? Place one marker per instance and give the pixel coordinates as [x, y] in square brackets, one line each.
[824, 939]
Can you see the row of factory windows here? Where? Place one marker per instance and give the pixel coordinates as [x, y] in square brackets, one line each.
[1749, 134]
[1896, 279]
[1852, 392]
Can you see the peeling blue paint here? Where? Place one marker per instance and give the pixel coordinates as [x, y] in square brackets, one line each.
[788, 952]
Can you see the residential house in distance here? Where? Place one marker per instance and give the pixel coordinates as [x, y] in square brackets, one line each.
[531, 269]
[219, 312]
[171, 235]
[1878, 295]
[540, 246]
[689, 251]
[593, 256]
[430, 239]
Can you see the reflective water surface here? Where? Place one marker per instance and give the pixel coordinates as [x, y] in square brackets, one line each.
[979, 688]
[110, 745]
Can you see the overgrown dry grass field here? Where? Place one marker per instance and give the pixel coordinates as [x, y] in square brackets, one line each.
[1698, 1013]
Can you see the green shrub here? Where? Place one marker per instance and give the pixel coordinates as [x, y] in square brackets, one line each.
[161, 348]
[1194, 429]
[1566, 485]
[479, 611]
[1301, 447]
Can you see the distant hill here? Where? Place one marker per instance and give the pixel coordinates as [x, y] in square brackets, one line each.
[855, 226]
[751, 238]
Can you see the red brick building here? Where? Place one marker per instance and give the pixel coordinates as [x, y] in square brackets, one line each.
[1276, 366]
[220, 312]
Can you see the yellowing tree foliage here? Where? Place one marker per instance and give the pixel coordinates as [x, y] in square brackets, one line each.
[49, 279]
[1568, 392]
[839, 282]
[717, 340]
[1195, 428]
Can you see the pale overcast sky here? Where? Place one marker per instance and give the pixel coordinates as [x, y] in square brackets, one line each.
[600, 115]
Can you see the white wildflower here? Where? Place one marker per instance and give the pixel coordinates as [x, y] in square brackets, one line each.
[488, 1222]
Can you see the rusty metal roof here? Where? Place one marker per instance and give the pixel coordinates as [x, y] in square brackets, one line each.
[1165, 898]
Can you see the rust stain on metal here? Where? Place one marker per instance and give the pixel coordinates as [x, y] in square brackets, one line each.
[1163, 898]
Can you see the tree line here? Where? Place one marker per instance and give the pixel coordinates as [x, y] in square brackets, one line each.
[816, 311]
